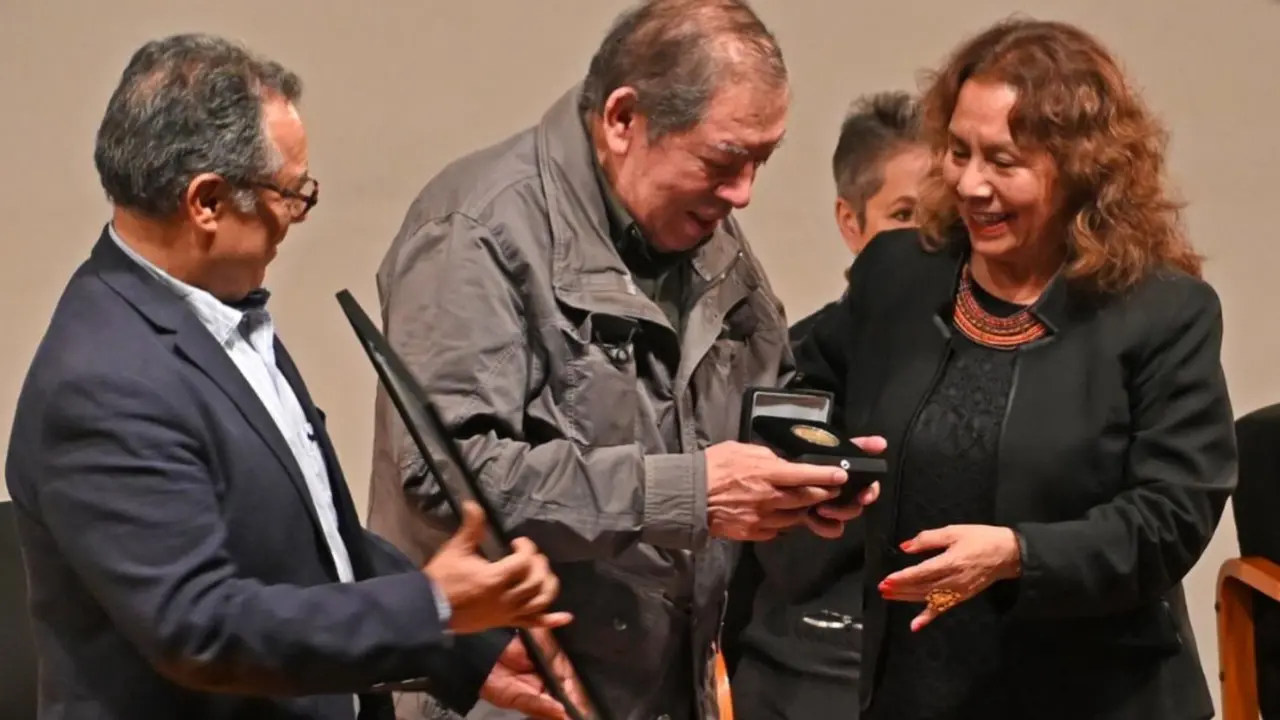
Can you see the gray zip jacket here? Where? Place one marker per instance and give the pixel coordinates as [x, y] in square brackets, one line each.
[582, 411]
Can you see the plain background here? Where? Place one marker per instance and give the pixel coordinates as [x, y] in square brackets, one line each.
[396, 88]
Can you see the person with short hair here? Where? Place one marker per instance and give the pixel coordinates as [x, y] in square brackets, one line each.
[580, 303]
[191, 545]
[877, 166]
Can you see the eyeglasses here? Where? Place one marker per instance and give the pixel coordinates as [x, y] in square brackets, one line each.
[300, 201]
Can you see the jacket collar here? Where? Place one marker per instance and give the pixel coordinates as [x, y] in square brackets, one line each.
[171, 317]
[164, 309]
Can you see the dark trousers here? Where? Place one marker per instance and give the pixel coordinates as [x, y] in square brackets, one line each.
[763, 690]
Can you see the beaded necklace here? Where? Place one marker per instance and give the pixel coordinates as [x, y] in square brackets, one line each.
[988, 329]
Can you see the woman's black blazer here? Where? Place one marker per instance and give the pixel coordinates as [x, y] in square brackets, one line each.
[1116, 457]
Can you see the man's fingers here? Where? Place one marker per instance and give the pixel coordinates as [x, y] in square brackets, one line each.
[829, 529]
[532, 608]
[872, 444]
[534, 592]
[525, 600]
[870, 495]
[569, 681]
[515, 657]
[523, 544]
[472, 528]
[524, 694]
[540, 705]
[789, 474]
[515, 567]
[550, 620]
[805, 496]
[753, 534]
[840, 513]
[779, 520]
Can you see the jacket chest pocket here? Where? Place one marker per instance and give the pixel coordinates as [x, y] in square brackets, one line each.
[720, 381]
[601, 397]
[732, 364]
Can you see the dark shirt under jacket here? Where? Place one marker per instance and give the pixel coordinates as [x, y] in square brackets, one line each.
[176, 564]
[1114, 459]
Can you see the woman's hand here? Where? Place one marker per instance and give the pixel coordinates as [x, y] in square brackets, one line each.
[973, 557]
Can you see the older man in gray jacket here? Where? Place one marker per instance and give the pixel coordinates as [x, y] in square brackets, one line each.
[583, 309]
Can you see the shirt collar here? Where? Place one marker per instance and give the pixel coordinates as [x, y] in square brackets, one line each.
[221, 319]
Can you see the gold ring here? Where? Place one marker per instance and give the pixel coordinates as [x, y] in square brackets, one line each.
[941, 600]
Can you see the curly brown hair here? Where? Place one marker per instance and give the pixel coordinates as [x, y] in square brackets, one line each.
[1075, 104]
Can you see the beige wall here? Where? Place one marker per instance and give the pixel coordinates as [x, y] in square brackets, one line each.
[394, 93]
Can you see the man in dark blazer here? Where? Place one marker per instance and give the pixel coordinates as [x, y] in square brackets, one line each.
[192, 548]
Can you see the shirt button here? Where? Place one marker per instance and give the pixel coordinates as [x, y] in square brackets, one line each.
[619, 624]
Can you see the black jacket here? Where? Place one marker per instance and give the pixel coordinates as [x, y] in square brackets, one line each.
[805, 325]
[1116, 459]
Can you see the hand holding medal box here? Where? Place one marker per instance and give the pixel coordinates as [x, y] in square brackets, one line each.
[796, 424]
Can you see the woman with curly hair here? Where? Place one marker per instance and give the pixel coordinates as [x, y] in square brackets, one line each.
[1044, 360]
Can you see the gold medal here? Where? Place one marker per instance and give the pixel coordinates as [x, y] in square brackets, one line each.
[815, 435]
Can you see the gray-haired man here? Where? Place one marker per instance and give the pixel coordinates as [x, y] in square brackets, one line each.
[582, 306]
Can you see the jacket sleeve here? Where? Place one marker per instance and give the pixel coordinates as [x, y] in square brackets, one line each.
[1181, 469]
[127, 495]
[454, 313]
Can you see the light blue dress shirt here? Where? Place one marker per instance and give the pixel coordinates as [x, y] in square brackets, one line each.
[249, 339]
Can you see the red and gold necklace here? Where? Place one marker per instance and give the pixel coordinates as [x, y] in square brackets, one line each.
[993, 331]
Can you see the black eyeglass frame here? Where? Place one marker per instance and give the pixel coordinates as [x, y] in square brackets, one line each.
[308, 199]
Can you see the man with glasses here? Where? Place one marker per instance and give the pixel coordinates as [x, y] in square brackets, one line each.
[192, 548]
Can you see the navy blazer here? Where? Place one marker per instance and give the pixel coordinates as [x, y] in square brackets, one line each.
[177, 567]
